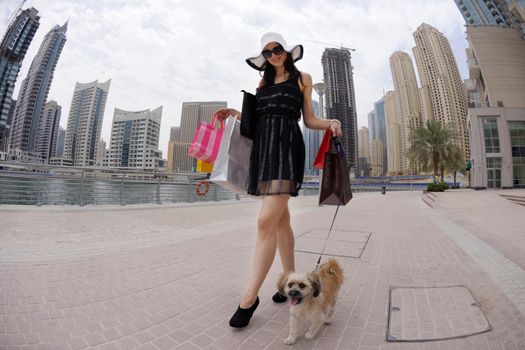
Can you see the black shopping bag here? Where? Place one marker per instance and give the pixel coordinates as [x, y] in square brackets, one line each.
[335, 184]
[248, 115]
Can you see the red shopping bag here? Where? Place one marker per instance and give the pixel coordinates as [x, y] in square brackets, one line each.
[206, 142]
[325, 146]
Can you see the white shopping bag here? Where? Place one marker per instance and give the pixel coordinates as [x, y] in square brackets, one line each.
[232, 165]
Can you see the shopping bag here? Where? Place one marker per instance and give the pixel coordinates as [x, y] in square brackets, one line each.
[325, 144]
[206, 142]
[231, 168]
[204, 167]
[335, 183]
[248, 115]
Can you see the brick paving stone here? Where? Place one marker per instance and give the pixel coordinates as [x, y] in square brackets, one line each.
[115, 274]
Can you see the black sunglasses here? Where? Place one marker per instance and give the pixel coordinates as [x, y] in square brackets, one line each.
[278, 50]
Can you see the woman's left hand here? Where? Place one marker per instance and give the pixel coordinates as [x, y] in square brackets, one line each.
[335, 127]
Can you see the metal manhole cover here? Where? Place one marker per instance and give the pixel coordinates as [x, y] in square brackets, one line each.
[342, 243]
[437, 313]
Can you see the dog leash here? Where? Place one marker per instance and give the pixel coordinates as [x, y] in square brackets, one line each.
[341, 152]
[329, 232]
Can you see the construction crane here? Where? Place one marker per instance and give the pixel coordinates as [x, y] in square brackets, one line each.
[333, 45]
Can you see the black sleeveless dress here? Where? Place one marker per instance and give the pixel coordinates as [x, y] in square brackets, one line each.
[278, 152]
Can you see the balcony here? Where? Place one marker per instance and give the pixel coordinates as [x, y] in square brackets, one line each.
[474, 69]
[471, 85]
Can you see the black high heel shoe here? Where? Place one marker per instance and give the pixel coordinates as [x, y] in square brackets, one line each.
[242, 317]
[279, 298]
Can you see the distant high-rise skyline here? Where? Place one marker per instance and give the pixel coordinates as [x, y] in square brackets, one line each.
[439, 72]
[340, 97]
[47, 134]
[34, 90]
[85, 122]
[394, 128]
[505, 13]
[376, 157]
[13, 48]
[407, 92]
[135, 139]
[312, 141]
[380, 132]
[101, 153]
[61, 138]
[191, 115]
[364, 143]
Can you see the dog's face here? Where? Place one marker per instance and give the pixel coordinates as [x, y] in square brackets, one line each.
[299, 286]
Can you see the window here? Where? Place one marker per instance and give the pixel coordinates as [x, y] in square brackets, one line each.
[491, 136]
[517, 143]
[493, 172]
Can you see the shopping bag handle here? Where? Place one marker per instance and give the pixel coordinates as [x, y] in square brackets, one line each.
[214, 122]
[338, 145]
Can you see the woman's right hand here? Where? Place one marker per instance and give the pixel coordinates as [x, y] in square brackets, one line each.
[224, 113]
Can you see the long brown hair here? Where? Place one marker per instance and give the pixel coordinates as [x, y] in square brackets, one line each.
[289, 66]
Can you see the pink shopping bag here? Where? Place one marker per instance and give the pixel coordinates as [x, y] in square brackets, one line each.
[206, 142]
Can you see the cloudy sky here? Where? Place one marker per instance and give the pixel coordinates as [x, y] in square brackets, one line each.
[165, 52]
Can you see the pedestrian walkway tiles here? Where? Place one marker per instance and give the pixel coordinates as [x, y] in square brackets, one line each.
[342, 243]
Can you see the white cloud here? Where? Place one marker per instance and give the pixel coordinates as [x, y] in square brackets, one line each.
[164, 52]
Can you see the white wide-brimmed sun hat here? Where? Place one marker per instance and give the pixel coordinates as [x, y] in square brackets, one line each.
[258, 61]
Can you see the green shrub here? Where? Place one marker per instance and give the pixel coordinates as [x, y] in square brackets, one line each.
[437, 187]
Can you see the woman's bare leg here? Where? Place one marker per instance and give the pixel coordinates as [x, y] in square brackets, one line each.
[270, 214]
[286, 242]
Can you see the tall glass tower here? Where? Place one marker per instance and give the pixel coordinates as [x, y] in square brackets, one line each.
[47, 135]
[506, 13]
[13, 49]
[34, 90]
[340, 97]
[312, 141]
[84, 123]
[380, 132]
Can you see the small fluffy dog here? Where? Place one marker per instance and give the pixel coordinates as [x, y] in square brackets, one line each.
[312, 296]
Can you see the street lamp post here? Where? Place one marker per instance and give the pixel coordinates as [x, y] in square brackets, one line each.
[320, 88]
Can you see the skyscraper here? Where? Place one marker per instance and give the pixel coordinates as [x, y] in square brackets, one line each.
[505, 13]
[192, 114]
[340, 97]
[47, 134]
[376, 157]
[496, 114]
[439, 72]
[394, 134]
[363, 158]
[60, 141]
[405, 85]
[379, 113]
[101, 154]
[13, 48]
[174, 137]
[135, 139]
[34, 91]
[312, 141]
[85, 122]
[377, 128]
[364, 143]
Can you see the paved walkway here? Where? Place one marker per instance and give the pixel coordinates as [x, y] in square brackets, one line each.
[169, 277]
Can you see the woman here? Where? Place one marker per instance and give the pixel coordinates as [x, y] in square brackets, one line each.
[277, 158]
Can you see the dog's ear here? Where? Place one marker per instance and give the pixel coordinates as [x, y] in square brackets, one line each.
[281, 282]
[316, 283]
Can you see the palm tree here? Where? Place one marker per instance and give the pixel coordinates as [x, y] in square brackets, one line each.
[427, 145]
[453, 160]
